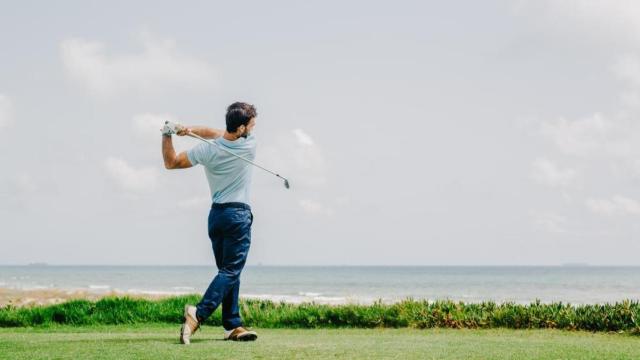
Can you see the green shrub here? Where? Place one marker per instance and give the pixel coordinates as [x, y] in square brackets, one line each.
[621, 316]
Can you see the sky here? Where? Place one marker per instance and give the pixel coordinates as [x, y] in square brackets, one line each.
[413, 132]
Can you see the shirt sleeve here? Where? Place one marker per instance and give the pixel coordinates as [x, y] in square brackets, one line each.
[198, 154]
[251, 142]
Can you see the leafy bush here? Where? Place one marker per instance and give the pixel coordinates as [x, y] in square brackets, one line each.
[622, 316]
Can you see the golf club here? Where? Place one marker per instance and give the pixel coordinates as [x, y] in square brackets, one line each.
[174, 128]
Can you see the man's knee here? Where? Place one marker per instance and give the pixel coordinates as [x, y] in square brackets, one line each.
[231, 275]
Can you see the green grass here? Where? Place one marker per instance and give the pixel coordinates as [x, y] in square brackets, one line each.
[623, 316]
[160, 341]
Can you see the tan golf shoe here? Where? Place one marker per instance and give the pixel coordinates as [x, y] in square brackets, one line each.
[240, 334]
[190, 325]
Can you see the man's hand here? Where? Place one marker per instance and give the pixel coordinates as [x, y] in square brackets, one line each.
[173, 128]
[182, 130]
[170, 128]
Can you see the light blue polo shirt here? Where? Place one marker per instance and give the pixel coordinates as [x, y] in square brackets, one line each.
[229, 177]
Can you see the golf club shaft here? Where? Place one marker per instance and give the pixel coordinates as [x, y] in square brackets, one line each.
[236, 155]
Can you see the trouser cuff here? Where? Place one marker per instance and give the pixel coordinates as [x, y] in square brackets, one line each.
[230, 325]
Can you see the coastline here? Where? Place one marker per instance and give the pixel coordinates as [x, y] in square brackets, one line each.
[52, 296]
[38, 297]
[43, 285]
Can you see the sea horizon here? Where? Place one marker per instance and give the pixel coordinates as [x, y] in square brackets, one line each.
[334, 284]
[36, 264]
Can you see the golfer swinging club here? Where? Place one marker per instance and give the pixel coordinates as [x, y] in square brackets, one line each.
[230, 217]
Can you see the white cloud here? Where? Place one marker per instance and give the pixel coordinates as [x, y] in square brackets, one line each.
[157, 67]
[303, 138]
[550, 222]
[619, 12]
[315, 207]
[617, 20]
[307, 155]
[132, 179]
[598, 142]
[6, 111]
[299, 156]
[546, 172]
[578, 137]
[616, 205]
[613, 138]
[603, 15]
[606, 148]
[148, 124]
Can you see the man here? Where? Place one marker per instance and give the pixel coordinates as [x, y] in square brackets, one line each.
[230, 217]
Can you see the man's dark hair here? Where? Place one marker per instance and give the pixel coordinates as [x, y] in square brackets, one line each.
[239, 113]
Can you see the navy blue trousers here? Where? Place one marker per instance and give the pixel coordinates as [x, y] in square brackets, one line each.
[230, 234]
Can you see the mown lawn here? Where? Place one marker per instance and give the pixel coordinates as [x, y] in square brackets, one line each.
[161, 342]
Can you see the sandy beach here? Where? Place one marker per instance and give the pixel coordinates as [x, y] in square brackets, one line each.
[19, 297]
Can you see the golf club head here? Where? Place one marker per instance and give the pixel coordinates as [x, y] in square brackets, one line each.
[286, 183]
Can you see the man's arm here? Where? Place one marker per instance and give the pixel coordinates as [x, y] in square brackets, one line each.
[202, 131]
[171, 160]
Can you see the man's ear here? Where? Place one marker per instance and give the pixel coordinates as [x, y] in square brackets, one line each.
[241, 129]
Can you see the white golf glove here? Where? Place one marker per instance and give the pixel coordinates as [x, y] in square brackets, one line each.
[170, 128]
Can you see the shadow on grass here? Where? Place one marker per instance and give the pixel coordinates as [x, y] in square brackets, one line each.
[163, 339]
[193, 341]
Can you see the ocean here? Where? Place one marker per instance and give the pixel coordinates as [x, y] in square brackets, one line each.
[347, 284]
